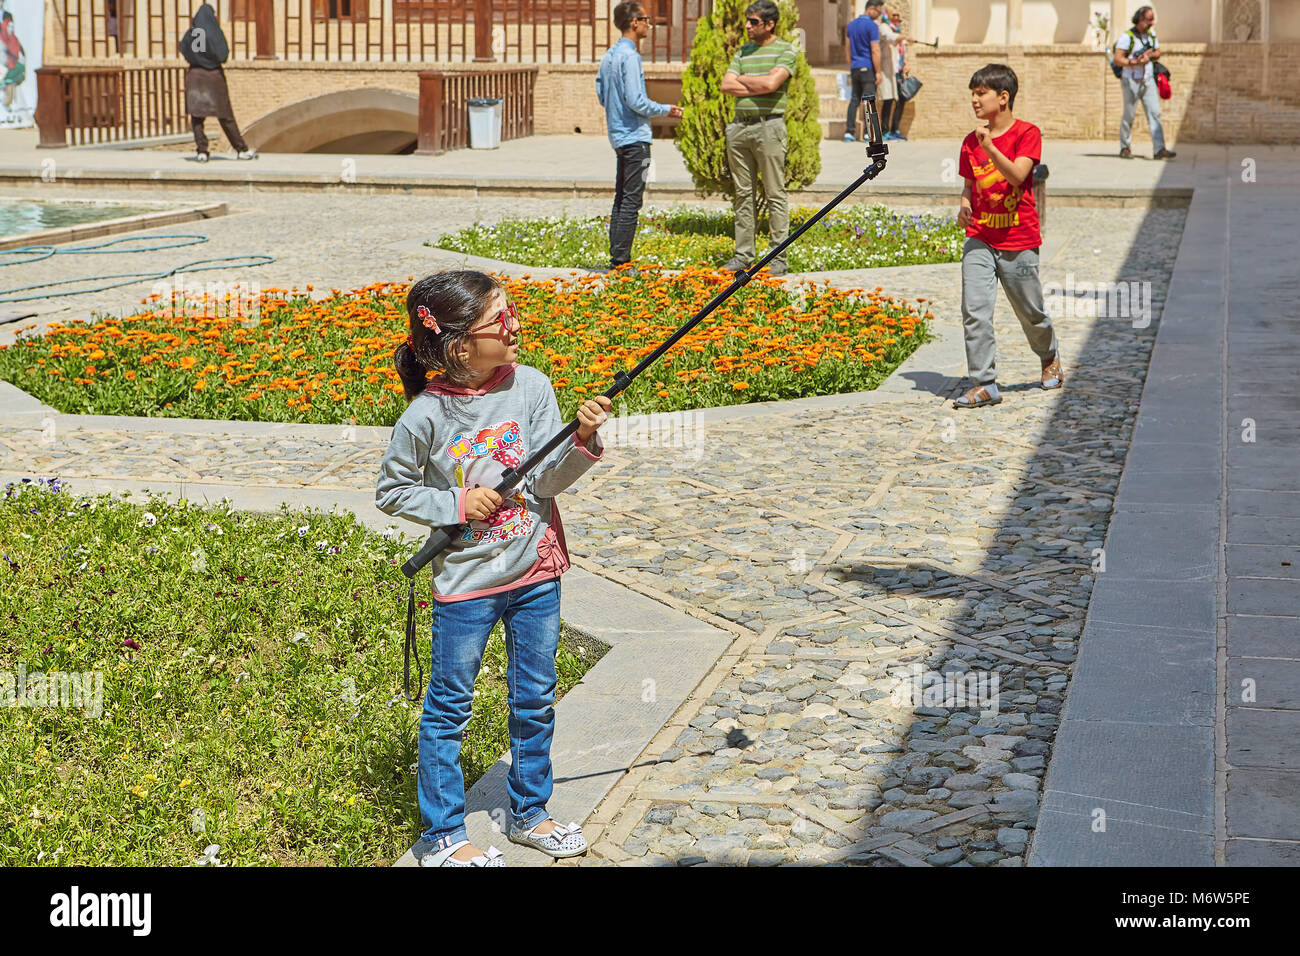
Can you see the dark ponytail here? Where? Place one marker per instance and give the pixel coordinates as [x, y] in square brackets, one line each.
[456, 302]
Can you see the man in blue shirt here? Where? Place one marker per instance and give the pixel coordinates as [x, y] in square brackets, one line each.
[864, 63]
[620, 86]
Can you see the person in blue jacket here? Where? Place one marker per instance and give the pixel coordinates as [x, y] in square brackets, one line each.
[620, 86]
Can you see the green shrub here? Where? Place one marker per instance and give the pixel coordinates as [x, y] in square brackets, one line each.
[701, 134]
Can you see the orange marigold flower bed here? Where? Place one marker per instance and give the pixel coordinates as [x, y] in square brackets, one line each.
[330, 360]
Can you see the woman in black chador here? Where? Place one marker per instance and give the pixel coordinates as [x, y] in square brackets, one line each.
[204, 47]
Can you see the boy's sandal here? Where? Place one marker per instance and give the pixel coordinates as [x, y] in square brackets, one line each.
[977, 396]
[493, 857]
[1053, 377]
[559, 843]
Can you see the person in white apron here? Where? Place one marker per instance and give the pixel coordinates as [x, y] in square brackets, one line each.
[891, 107]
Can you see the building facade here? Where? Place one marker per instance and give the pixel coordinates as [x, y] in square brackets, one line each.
[313, 74]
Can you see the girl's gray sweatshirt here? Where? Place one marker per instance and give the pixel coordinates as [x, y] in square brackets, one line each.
[450, 440]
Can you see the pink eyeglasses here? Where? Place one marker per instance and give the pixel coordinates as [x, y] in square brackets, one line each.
[506, 319]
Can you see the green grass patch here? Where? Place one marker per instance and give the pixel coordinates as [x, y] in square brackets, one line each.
[250, 685]
[852, 236]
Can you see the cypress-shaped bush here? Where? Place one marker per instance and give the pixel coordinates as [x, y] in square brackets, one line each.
[701, 134]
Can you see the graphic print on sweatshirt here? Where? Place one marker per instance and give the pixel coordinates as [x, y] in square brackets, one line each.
[479, 460]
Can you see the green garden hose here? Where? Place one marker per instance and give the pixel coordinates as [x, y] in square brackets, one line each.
[40, 253]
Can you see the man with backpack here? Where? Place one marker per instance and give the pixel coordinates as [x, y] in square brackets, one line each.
[1135, 53]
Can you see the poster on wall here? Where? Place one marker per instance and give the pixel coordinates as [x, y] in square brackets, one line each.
[22, 32]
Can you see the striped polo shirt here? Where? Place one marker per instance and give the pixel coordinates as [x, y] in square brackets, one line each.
[752, 59]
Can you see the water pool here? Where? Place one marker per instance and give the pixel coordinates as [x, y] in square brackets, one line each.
[19, 216]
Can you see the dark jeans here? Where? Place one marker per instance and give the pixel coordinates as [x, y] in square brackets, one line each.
[891, 115]
[629, 185]
[864, 84]
[228, 126]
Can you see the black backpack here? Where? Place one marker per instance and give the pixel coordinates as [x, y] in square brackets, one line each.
[1115, 67]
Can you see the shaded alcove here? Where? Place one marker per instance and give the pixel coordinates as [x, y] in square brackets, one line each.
[363, 121]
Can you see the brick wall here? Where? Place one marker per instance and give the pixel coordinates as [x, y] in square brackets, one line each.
[1222, 92]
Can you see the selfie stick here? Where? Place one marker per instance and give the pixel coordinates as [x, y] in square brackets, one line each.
[441, 538]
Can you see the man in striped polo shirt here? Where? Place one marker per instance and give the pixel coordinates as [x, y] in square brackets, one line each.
[758, 77]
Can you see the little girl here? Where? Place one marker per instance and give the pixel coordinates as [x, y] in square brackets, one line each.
[460, 431]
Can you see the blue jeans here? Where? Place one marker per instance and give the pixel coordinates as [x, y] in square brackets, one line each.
[460, 634]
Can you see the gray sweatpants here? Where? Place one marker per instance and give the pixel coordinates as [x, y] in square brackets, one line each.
[982, 267]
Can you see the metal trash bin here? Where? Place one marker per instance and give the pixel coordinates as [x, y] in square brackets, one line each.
[484, 123]
[1040, 195]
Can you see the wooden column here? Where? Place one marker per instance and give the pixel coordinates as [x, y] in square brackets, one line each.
[429, 141]
[264, 15]
[51, 108]
[483, 31]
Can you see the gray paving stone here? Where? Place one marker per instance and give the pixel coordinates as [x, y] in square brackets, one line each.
[1263, 596]
[1277, 561]
[1156, 774]
[1274, 683]
[1175, 605]
[1240, 852]
[1251, 636]
[1167, 676]
[1263, 738]
[1269, 504]
[1253, 529]
[1189, 543]
[1067, 837]
[1262, 803]
[1267, 468]
[1189, 488]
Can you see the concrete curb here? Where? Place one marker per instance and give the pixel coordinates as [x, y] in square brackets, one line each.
[546, 188]
[1135, 746]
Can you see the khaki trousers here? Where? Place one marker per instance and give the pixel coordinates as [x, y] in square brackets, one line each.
[753, 150]
[982, 268]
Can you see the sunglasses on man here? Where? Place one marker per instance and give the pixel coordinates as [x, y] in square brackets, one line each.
[753, 21]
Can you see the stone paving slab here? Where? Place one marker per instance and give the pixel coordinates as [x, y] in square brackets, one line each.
[1124, 728]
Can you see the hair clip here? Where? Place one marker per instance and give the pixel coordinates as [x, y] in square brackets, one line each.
[426, 317]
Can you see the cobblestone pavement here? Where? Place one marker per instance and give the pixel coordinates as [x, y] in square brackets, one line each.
[329, 241]
[854, 556]
[847, 552]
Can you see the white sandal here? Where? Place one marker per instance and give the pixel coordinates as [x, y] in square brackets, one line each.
[493, 857]
[560, 843]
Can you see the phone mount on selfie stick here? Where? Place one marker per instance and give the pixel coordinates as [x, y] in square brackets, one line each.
[442, 538]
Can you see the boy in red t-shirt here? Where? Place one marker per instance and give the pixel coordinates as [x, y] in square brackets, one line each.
[1002, 236]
